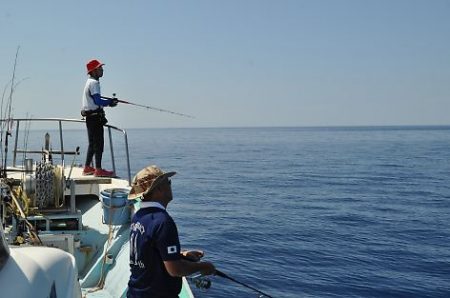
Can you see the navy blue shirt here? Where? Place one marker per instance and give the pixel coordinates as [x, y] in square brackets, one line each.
[153, 239]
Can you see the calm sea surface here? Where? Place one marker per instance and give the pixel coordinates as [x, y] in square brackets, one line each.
[311, 212]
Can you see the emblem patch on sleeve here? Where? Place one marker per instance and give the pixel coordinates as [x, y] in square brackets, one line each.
[172, 249]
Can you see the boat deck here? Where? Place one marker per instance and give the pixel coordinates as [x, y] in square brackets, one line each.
[101, 249]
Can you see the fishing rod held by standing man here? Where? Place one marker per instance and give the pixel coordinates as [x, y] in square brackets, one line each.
[144, 106]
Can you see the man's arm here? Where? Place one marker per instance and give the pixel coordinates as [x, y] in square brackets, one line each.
[182, 267]
[101, 102]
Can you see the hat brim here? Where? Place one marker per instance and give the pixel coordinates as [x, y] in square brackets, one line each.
[136, 191]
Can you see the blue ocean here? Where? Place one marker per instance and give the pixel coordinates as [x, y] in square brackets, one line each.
[309, 212]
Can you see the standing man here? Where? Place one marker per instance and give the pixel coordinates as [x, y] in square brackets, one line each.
[156, 261]
[92, 109]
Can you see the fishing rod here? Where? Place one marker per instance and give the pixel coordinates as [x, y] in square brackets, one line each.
[8, 124]
[144, 106]
[221, 274]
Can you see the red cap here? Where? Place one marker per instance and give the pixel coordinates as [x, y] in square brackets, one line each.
[93, 64]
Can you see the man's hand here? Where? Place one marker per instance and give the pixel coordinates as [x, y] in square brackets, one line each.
[208, 268]
[192, 255]
[114, 102]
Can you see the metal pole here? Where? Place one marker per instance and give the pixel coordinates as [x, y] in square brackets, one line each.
[112, 150]
[128, 157]
[72, 197]
[62, 143]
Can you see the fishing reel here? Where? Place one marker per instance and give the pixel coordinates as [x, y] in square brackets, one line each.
[201, 282]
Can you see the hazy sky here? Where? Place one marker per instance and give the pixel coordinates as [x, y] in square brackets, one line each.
[234, 62]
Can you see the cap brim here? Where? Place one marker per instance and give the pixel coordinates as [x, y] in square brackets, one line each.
[95, 68]
[134, 196]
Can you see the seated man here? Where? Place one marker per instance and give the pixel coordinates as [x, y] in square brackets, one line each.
[156, 261]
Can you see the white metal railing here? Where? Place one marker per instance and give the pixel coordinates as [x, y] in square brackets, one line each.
[62, 152]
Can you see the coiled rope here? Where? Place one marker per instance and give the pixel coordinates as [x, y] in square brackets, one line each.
[49, 185]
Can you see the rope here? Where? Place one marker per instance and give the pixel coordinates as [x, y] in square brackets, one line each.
[44, 184]
[33, 235]
[49, 185]
[19, 193]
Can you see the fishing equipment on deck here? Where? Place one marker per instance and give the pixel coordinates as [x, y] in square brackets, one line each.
[144, 106]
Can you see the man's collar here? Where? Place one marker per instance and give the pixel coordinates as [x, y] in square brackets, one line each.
[145, 204]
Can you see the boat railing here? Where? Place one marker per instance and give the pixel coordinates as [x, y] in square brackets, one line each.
[62, 151]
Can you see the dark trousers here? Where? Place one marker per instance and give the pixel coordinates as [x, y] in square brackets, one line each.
[95, 132]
